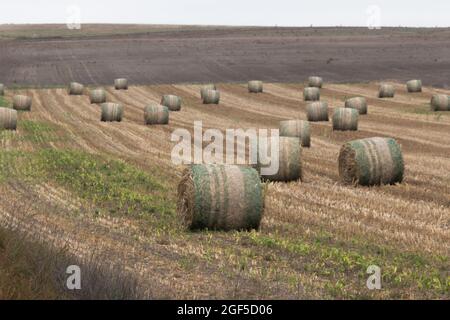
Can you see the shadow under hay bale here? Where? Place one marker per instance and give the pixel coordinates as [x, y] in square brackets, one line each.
[111, 112]
[414, 86]
[317, 111]
[311, 94]
[296, 128]
[22, 103]
[172, 102]
[358, 103]
[8, 119]
[156, 114]
[255, 86]
[345, 119]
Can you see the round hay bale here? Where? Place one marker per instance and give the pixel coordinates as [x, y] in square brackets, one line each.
[220, 197]
[172, 102]
[112, 112]
[121, 84]
[290, 162]
[311, 94]
[358, 103]
[440, 102]
[414, 86]
[317, 111]
[2, 89]
[22, 103]
[316, 82]
[386, 91]
[206, 87]
[8, 119]
[345, 119]
[296, 128]
[255, 86]
[371, 161]
[76, 88]
[211, 97]
[156, 114]
[97, 96]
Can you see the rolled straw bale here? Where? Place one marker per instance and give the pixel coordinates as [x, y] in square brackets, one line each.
[316, 82]
[414, 86]
[156, 114]
[317, 111]
[206, 87]
[220, 197]
[311, 94]
[121, 84]
[440, 102]
[255, 86]
[8, 119]
[2, 89]
[22, 103]
[386, 91]
[211, 97]
[296, 128]
[97, 96]
[112, 112]
[290, 162]
[345, 119]
[371, 161]
[358, 103]
[172, 102]
[75, 88]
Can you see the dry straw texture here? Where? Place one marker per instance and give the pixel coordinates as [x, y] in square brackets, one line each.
[317, 111]
[414, 86]
[255, 86]
[2, 89]
[316, 82]
[211, 97]
[311, 94]
[440, 102]
[76, 88]
[358, 103]
[371, 161]
[220, 197]
[22, 103]
[207, 87]
[112, 112]
[386, 91]
[97, 96]
[8, 119]
[345, 119]
[121, 84]
[172, 102]
[156, 114]
[296, 128]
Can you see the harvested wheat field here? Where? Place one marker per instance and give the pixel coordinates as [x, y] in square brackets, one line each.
[109, 190]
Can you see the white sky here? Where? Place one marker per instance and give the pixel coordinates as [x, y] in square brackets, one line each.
[232, 12]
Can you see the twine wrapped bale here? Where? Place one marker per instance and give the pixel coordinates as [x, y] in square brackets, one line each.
[311, 94]
[316, 82]
[207, 87]
[121, 84]
[112, 112]
[220, 197]
[211, 97]
[2, 89]
[296, 128]
[290, 159]
[386, 91]
[97, 96]
[414, 86]
[440, 102]
[345, 119]
[358, 103]
[156, 114]
[76, 88]
[8, 119]
[22, 103]
[371, 161]
[172, 102]
[255, 86]
[317, 111]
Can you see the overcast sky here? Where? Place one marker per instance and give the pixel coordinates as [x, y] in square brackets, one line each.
[232, 12]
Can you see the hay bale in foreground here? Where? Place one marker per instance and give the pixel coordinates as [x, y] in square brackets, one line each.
[211, 97]
[220, 197]
[311, 94]
[156, 114]
[112, 112]
[2, 89]
[317, 111]
[358, 103]
[121, 84]
[296, 128]
[345, 119]
[315, 82]
[290, 161]
[8, 119]
[371, 161]
[255, 86]
[76, 88]
[414, 86]
[386, 91]
[206, 87]
[440, 102]
[97, 96]
[172, 102]
[22, 103]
